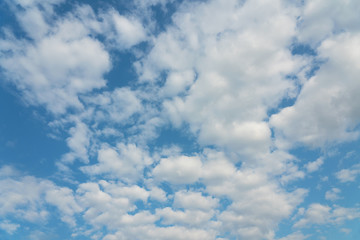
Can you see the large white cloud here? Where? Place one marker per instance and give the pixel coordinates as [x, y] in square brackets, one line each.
[232, 70]
[326, 110]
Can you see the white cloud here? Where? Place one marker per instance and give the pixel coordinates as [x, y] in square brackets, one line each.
[9, 227]
[255, 211]
[225, 66]
[292, 173]
[55, 69]
[129, 31]
[125, 162]
[315, 165]
[177, 82]
[28, 198]
[174, 232]
[63, 199]
[22, 198]
[332, 194]
[321, 19]
[321, 214]
[117, 106]
[239, 75]
[348, 175]
[191, 218]
[64, 60]
[158, 194]
[178, 169]
[194, 200]
[133, 192]
[326, 110]
[78, 143]
[257, 203]
[345, 230]
[295, 236]
[102, 209]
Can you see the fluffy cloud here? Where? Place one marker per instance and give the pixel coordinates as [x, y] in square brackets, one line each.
[125, 162]
[65, 60]
[178, 170]
[332, 194]
[238, 75]
[315, 165]
[129, 31]
[28, 198]
[321, 19]
[54, 70]
[322, 214]
[192, 218]
[22, 198]
[326, 110]
[107, 204]
[256, 203]
[78, 143]
[117, 106]
[348, 175]
[194, 200]
[221, 72]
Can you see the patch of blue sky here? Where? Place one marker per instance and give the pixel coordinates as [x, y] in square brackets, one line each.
[24, 136]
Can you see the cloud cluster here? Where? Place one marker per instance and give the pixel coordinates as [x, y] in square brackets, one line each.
[222, 73]
[322, 214]
[233, 70]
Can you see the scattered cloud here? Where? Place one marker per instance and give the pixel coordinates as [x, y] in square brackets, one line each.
[322, 214]
[333, 194]
[219, 76]
[315, 165]
[348, 174]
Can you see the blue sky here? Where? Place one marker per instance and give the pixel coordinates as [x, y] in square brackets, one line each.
[168, 119]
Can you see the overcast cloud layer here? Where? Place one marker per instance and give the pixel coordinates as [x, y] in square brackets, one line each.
[171, 119]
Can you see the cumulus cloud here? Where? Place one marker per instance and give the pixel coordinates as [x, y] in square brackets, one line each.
[333, 194]
[64, 60]
[178, 170]
[238, 76]
[348, 175]
[194, 200]
[129, 31]
[78, 142]
[322, 214]
[54, 70]
[219, 73]
[125, 162]
[117, 106]
[315, 165]
[28, 198]
[321, 19]
[325, 111]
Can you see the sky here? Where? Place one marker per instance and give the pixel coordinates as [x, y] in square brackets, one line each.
[179, 119]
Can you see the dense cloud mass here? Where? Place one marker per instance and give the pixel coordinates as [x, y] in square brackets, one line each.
[184, 119]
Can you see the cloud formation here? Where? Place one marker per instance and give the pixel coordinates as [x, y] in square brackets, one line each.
[220, 128]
